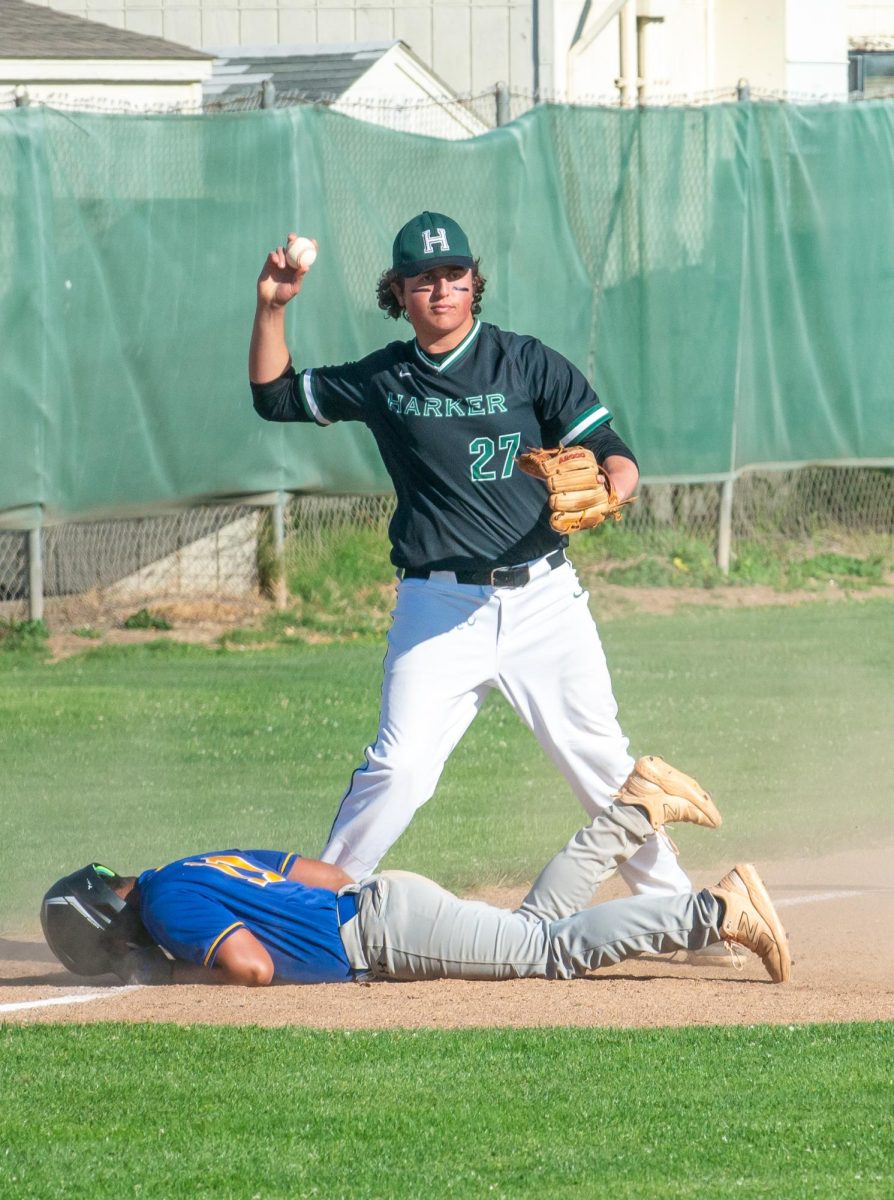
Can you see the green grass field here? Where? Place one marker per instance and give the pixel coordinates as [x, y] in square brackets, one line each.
[167, 1112]
[136, 755]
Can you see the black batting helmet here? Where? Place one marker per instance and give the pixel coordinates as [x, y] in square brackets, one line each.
[87, 924]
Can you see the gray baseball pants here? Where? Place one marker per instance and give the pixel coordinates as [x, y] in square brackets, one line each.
[407, 927]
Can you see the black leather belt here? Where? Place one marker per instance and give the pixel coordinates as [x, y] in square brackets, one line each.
[508, 577]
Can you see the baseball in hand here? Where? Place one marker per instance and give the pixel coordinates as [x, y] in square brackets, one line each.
[301, 254]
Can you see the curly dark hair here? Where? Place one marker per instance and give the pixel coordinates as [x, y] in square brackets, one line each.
[388, 301]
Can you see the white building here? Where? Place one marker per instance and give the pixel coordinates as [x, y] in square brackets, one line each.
[574, 48]
[59, 58]
[381, 82]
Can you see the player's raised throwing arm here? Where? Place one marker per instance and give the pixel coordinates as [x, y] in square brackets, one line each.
[279, 282]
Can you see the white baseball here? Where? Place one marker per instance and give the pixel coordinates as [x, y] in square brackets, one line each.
[301, 254]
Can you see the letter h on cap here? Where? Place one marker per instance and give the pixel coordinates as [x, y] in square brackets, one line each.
[429, 241]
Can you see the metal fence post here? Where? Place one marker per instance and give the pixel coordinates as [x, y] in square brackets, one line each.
[35, 574]
[278, 517]
[501, 95]
[268, 94]
[725, 525]
[725, 514]
[535, 49]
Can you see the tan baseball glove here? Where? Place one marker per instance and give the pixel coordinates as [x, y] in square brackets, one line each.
[581, 495]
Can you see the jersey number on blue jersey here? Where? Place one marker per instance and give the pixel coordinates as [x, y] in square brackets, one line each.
[238, 868]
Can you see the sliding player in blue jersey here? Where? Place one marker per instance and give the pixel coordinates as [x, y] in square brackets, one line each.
[256, 917]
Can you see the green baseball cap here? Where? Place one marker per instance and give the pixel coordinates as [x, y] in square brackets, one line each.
[430, 240]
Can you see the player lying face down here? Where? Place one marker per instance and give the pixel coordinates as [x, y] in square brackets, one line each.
[255, 917]
[234, 911]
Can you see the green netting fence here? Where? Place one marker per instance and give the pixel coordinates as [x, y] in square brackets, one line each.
[724, 273]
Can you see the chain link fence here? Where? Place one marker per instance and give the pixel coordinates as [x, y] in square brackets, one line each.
[192, 563]
[791, 511]
[223, 561]
[491, 108]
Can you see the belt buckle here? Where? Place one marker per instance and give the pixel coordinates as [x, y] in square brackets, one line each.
[510, 577]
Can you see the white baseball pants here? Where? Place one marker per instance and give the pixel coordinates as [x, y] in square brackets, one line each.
[448, 646]
[407, 927]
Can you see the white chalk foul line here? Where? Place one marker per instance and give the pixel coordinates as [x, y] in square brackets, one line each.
[71, 999]
[816, 897]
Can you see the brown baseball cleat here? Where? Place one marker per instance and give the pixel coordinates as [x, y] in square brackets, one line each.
[750, 920]
[666, 794]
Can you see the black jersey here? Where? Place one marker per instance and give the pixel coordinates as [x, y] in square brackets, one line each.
[449, 429]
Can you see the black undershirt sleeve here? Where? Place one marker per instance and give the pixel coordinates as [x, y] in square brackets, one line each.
[278, 400]
[604, 442]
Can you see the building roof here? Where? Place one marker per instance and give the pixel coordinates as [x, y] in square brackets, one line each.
[33, 31]
[318, 72]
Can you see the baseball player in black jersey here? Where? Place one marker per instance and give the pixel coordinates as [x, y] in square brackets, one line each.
[486, 595]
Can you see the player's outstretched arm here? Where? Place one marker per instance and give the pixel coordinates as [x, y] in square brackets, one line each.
[278, 283]
[240, 960]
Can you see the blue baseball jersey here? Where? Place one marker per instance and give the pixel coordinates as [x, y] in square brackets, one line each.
[449, 429]
[190, 907]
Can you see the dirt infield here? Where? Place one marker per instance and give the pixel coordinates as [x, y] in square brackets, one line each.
[838, 910]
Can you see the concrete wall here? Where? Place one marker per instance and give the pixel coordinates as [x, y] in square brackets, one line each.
[870, 19]
[750, 43]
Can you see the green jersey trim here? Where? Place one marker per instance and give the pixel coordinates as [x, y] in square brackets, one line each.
[310, 402]
[456, 354]
[589, 420]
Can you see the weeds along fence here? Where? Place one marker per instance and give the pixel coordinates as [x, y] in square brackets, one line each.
[231, 560]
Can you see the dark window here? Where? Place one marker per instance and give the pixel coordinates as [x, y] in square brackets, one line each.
[871, 72]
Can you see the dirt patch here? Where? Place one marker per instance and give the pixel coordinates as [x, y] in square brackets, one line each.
[838, 911]
[65, 645]
[205, 623]
[612, 600]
